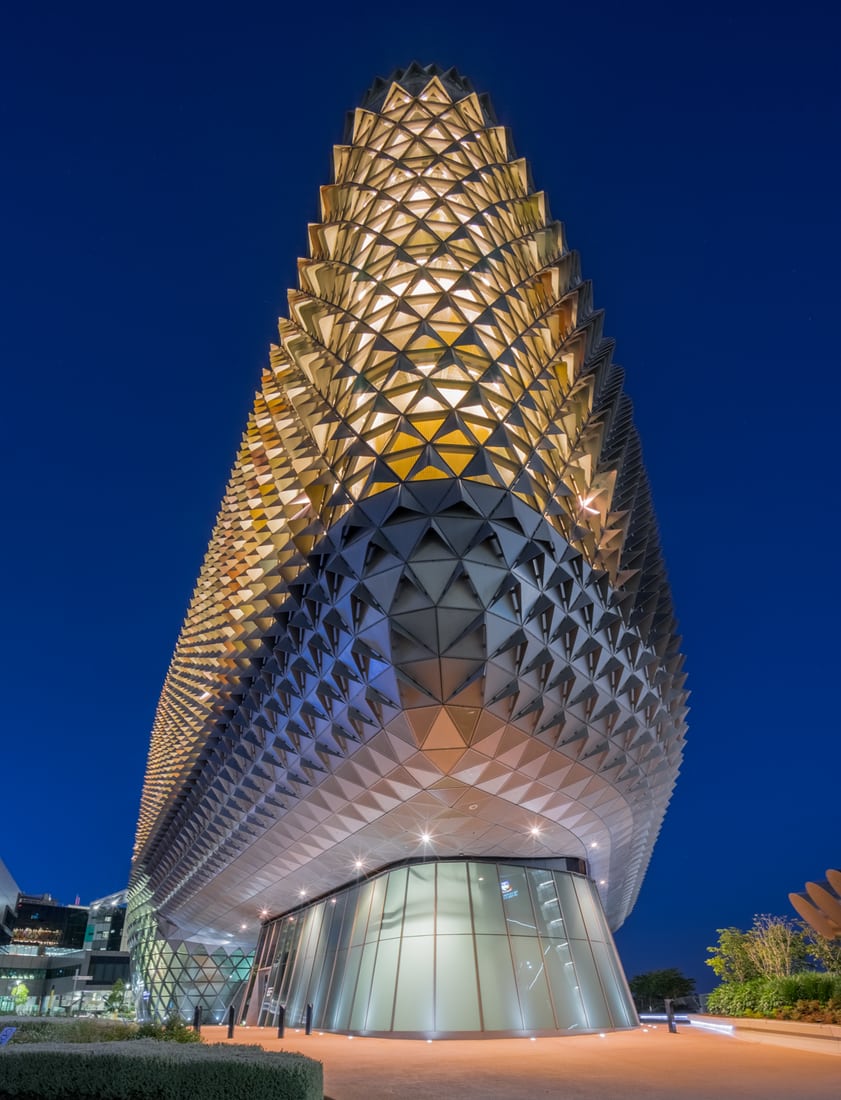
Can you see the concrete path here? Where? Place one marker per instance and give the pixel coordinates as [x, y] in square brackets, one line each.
[627, 1065]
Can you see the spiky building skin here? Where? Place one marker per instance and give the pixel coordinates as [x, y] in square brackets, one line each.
[434, 599]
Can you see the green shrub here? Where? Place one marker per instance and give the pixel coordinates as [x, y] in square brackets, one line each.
[768, 997]
[813, 1012]
[736, 998]
[57, 1030]
[144, 1068]
[173, 1030]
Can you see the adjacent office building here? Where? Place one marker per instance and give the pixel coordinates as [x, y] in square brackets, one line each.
[8, 901]
[68, 957]
[43, 922]
[426, 710]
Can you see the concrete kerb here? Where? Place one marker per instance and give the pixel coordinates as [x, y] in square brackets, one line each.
[794, 1034]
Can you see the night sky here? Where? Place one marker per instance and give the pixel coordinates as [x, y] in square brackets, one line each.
[160, 165]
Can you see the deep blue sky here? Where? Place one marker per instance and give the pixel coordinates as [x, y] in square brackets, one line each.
[160, 165]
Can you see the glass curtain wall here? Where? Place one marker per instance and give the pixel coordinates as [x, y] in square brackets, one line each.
[446, 948]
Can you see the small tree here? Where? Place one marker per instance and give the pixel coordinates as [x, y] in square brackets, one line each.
[115, 1002]
[651, 989]
[773, 947]
[777, 946]
[730, 961]
[825, 953]
[19, 994]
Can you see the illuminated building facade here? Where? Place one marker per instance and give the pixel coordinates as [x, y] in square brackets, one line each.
[426, 710]
[41, 922]
[8, 903]
[67, 956]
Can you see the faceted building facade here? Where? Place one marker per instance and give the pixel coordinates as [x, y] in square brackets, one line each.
[426, 710]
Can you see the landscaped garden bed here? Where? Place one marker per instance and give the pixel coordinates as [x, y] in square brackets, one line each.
[809, 997]
[139, 1068]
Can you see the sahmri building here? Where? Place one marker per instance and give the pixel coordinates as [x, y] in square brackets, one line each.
[426, 710]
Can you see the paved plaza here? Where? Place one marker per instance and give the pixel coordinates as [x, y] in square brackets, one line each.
[630, 1065]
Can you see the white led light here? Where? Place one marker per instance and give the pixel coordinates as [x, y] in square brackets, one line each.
[724, 1029]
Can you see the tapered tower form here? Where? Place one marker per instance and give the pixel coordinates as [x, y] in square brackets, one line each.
[427, 704]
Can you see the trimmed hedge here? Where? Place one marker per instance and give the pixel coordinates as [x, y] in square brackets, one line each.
[143, 1068]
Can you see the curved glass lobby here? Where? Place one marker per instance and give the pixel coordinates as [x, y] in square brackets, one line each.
[446, 949]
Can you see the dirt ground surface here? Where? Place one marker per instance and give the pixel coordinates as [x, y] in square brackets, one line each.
[644, 1064]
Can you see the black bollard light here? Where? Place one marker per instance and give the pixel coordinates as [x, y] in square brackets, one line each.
[670, 1016]
[281, 1021]
[197, 1019]
[231, 1022]
[309, 1019]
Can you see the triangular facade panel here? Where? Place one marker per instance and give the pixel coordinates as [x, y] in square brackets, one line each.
[433, 605]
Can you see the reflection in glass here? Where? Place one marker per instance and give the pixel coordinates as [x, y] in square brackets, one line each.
[452, 902]
[569, 906]
[590, 908]
[614, 986]
[349, 902]
[516, 904]
[334, 916]
[363, 908]
[547, 908]
[420, 900]
[563, 982]
[591, 988]
[377, 902]
[395, 900]
[381, 1005]
[363, 987]
[344, 1000]
[486, 898]
[531, 984]
[331, 1007]
[310, 938]
[600, 930]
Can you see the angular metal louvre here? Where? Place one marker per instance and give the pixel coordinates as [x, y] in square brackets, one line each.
[434, 598]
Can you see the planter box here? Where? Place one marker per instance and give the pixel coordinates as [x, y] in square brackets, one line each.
[825, 1038]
